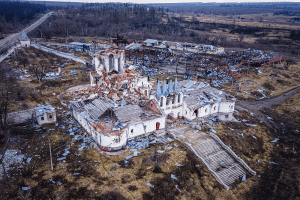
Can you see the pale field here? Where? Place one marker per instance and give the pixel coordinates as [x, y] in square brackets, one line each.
[290, 81]
[258, 20]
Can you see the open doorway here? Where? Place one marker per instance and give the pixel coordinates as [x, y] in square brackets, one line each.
[196, 113]
[157, 125]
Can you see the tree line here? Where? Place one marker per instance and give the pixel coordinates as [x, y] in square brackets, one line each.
[16, 13]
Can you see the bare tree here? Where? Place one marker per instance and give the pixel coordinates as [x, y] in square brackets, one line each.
[8, 89]
[288, 63]
[52, 61]
[38, 70]
[23, 60]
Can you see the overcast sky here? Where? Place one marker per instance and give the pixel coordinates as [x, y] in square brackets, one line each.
[171, 1]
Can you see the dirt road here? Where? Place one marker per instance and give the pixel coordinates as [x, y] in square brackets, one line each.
[11, 39]
[257, 106]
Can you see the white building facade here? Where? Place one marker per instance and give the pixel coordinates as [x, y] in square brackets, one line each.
[193, 101]
[112, 127]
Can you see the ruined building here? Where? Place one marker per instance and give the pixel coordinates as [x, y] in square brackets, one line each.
[112, 126]
[193, 100]
[111, 76]
[110, 60]
[107, 61]
[112, 122]
[42, 114]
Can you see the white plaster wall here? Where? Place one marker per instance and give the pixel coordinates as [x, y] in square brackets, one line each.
[25, 43]
[110, 140]
[116, 63]
[142, 82]
[92, 80]
[187, 113]
[106, 63]
[202, 112]
[226, 107]
[153, 97]
[96, 61]
[122, 61]
[226, 116]
[168, 109]
[103, 140]
[138, 128]
[175, 112]
[214, 108]
[135, 130]
[46, 118]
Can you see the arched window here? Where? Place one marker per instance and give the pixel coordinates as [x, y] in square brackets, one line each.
[169, 100]
[205, 110]
[179, 96]
[119, 64]
[111, 62]
[161, 101]
[173, 99]
[215, 107]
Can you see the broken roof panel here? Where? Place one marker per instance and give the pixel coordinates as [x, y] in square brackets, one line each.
[189, 85]
[129, 113]
[41, 109]
[205, 95]
[92, 108]
[152, 41]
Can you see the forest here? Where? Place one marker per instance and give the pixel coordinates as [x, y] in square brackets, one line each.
[14, 14]
[229, 25]
[139, 22]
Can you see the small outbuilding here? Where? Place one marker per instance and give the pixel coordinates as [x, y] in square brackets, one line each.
[25, 41]
[45, 114]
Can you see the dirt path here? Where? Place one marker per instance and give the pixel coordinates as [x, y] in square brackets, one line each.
[257, 106]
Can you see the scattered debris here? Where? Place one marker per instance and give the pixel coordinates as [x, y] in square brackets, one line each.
[212, 130]
[244, 177]
[174, 177]
[25, 188]
[275, 140]
[250, 124]
[241, 134]
[62, 158]
[149, 184]
[177, 188]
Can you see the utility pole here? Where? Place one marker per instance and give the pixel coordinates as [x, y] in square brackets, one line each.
[50, 156]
